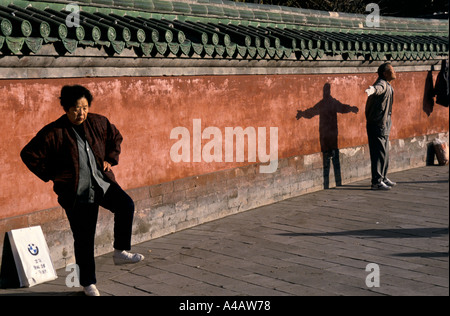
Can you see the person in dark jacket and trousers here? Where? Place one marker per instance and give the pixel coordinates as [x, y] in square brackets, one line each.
[77, 152]
[378, 116]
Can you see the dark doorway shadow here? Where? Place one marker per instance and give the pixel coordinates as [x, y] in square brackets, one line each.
[327, 109]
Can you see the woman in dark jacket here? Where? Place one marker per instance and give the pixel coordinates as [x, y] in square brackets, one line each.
[77, 152]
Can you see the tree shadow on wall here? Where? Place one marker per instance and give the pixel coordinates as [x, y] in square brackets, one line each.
[327, 109]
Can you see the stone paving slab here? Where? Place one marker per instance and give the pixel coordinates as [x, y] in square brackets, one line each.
[317, 244]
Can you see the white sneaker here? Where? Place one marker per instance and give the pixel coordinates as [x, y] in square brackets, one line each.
[124, 257]
[380, 186]
[389, 183]
[91, 290]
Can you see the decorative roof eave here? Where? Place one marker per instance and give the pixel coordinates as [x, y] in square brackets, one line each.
[188, 32]
[271, 14]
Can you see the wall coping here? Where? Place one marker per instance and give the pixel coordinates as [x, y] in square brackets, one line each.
[134, 32]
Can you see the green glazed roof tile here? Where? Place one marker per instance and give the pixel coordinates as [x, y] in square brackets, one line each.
[261, 15]
[219, 28]
[181, 7]
[34, 44]
[199, 9]
[108, 3]
[147, 49]
[15, 44]
[5, 26]
[198, 48]
[144, 5]
[163, 6]
[231, 49]
[275, 16]
[161, 47]
[246, 14]
[215, 11]
[124, 3]
[287, 18]
[170, 6]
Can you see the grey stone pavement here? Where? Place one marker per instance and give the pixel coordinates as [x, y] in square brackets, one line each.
[318, 244]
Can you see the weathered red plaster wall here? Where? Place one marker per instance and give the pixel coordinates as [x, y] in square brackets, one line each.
[146, 110]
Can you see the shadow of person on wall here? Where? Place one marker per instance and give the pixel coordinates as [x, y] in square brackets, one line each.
[327, 109]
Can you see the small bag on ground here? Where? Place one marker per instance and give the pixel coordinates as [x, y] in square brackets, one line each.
[441, 149]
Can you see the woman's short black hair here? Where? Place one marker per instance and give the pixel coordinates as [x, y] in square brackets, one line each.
[382, 69]
[71, 94]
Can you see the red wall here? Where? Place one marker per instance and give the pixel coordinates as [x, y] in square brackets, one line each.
[146, 110]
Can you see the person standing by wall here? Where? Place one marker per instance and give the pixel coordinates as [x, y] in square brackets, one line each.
[77, 152]
[378, 116]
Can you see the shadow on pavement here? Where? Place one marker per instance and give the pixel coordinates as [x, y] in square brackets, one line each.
[382, 233]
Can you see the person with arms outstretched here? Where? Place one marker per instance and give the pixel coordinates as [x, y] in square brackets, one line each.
[378, 116]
